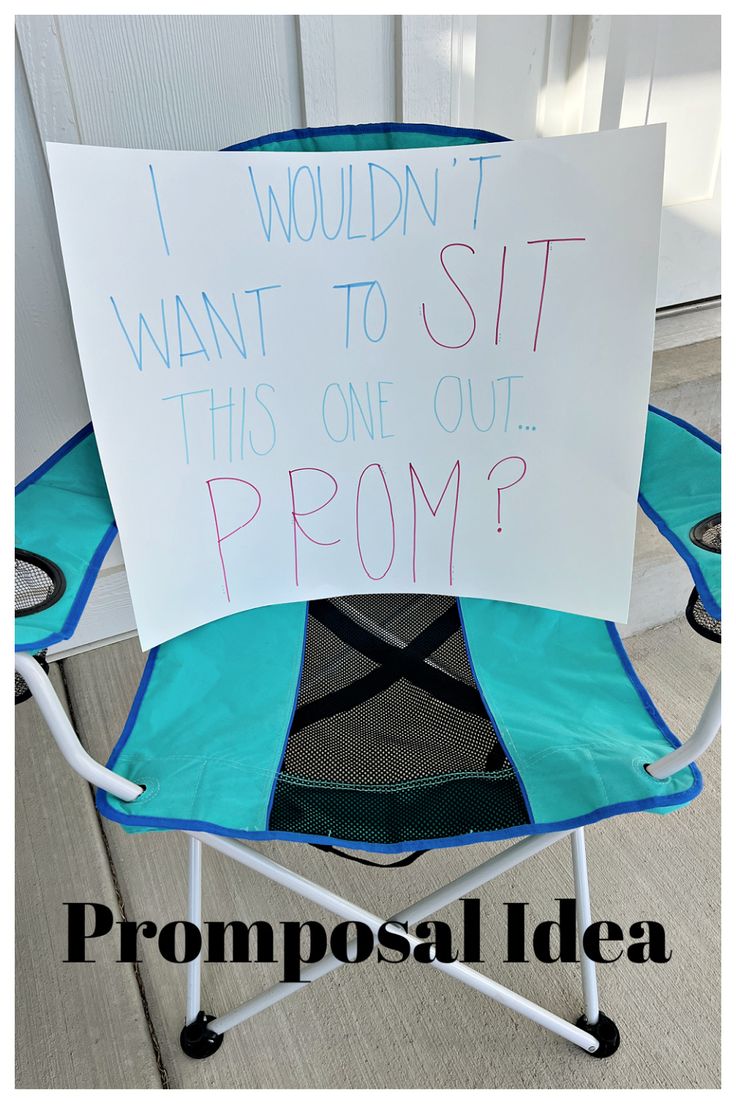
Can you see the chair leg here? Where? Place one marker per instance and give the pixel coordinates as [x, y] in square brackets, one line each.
[605, 1040]
[194, 916]
[592, 1020]
[584, 919]
[197, 1041]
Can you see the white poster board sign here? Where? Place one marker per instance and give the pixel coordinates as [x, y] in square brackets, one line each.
[414, 370]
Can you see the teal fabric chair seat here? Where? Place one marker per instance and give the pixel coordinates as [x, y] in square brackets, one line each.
[522, 720]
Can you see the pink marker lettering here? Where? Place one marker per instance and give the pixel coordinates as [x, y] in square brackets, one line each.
[433, 510]
[500, 293]
[296, 514]
[452, 245]
[505, 486]
[391, 516]
[546, 242]
[222, 537]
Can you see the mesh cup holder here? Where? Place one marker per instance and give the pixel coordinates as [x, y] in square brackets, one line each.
[707, 534]
[39, 584]
[702, 621]
[22, 692]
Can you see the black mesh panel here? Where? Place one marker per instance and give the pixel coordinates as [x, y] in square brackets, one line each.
[391, 741]
[706, 534]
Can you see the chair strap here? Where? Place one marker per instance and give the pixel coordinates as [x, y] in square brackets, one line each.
[407, 860]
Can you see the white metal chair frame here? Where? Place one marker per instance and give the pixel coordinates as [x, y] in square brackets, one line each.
[202, 1035]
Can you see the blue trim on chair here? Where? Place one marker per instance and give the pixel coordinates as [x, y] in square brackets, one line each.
[686, 425]
[709, 603]
[77, 607]
[363, 128]
[521, 830]
[640, 688]
[101, 801]
[492, 719]
[134, 709]
[54, 458]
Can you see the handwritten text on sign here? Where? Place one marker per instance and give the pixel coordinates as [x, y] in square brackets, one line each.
[314, 374]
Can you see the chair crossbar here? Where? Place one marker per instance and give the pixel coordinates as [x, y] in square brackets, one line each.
[473, 879]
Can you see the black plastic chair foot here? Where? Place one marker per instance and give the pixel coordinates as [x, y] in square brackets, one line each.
[197, 1041]
[606, 1032]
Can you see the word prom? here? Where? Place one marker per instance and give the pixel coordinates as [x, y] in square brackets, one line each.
[313, 490]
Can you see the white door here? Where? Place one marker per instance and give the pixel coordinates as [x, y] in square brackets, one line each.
[540, 76]
[202, 82]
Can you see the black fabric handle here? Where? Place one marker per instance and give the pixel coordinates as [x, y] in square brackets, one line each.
[407, 860]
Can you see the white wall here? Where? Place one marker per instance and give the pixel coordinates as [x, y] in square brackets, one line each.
[203, 82]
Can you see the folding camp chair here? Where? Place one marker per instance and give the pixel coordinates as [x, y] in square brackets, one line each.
[384, 723]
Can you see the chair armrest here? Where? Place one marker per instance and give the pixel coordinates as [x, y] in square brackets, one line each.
[63, 516]
[63, 732]
[681, 488]
[703, 736]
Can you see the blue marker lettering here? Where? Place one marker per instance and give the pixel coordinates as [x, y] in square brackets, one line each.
[264, 452]
[351, 235]
[480, 160]
[381, 403]
[379, 168]
[339, 391]
[200, 350]
[143, 324]
[508, 398]
[273, 205]
[460, 403]
[482, 429]
[297, 174]
[331, 237]
[257, 292]
[239, 345]
[411, 179]
[181, 396]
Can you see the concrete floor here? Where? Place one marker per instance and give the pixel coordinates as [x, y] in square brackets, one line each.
[111, 1025]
